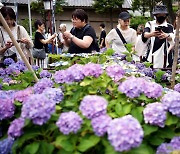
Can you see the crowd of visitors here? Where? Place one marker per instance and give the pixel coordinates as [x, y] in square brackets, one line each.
[158, 36]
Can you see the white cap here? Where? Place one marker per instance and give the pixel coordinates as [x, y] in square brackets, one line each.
[62, 25]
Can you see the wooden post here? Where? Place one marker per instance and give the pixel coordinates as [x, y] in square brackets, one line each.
[176, 49]
[5, 25]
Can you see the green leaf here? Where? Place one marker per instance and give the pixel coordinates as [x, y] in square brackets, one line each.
[45, 148]
[149, 129]
[118, 109]
[155, 140]
[166, 132]
[31, 148]
[137, 113]
[108, 147]
[88, 142]
[171, 119]
[142, 149]
[127, 108]
[86, 82]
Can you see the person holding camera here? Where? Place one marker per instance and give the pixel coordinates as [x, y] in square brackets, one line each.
[160, 36]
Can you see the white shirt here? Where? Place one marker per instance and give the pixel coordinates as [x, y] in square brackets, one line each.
[113, 38]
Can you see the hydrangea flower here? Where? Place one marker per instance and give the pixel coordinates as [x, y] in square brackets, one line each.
[8, 61]
[20, 65]
[38, 108]
[152, 89]
[35, 67]
[15, 129]
[55, 94]
[93, 106]
[115, 72]
[63, 76]
[164, 148]
[22, 95]
[171, 102]
[6, 107]
[42, 84]
[69, 122]
[45, 74]
[100, 124]
[125, 133]
[92, 69]
[6, 145]
[155, 114]
[177, 87]
[132, 87]
[175, 142]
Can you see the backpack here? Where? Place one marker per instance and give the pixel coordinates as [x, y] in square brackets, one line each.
[95, 43]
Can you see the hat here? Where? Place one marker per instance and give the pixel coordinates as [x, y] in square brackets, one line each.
[124, 15]
[158, 9]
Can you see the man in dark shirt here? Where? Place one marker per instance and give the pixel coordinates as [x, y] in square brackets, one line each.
[82, 37]
[102, 36]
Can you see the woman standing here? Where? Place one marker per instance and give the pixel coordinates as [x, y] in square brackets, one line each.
[7, 49]
[128, 34]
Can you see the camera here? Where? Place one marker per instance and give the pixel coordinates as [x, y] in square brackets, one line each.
[158, 28]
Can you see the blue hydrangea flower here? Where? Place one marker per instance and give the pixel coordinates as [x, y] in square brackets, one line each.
[15, 129]
[6, 145]
[38, 108]
[155, 114]
[100, 124]
[152, 90]
[45, 74]
[42, 84]
[69, 122]
[164, 148]
[93, 106]
[132, 87]
[177, 87]
[175, 142]
[92, 69]
[171, 102]
[6, 107]
[115, 72]
[8, 61]
[125, 133]
[55, 94]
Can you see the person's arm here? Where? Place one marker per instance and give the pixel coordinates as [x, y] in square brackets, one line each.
[101, 45]
[82, 43]
[49, 40]
[109, 38]
[7, 46]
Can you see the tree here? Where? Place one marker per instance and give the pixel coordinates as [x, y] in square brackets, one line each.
[102, 6]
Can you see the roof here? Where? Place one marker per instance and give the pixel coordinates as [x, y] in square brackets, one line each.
[71, 3]
[88, 3]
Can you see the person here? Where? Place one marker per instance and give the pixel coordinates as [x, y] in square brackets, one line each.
[102, 36]
[7, 49]
[160, 35]
[40, 42]
[128, 34]
[60, 40]
[82, 37]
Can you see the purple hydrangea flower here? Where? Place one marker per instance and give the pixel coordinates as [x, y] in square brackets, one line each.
[175, 142]
[42, 84]
[20, 65]
[69, 122]
[6, 107]
[55, 94]
[7, 80]
[140, 66]
[100, 124]
[164, 148]
[45, 74]
[93, 106]
[63, 76]
[92, 69]
[155, 114]
[35, 67]
[148, 72]
[177, 87]
[171, 102]
[38, 108]
[115, 72]
[23, 95]
[132, 87]
[125, 133]
[8, 61]
[15, 129]
[152, 90]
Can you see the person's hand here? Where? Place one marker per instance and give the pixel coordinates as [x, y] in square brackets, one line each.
[23, 40]
[67, 35]
[163, 35]
[8, 44]
[155, 33]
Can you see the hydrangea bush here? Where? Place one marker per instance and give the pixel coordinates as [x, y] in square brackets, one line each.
[97, 103]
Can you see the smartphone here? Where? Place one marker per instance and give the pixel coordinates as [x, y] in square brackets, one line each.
[158, 29]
